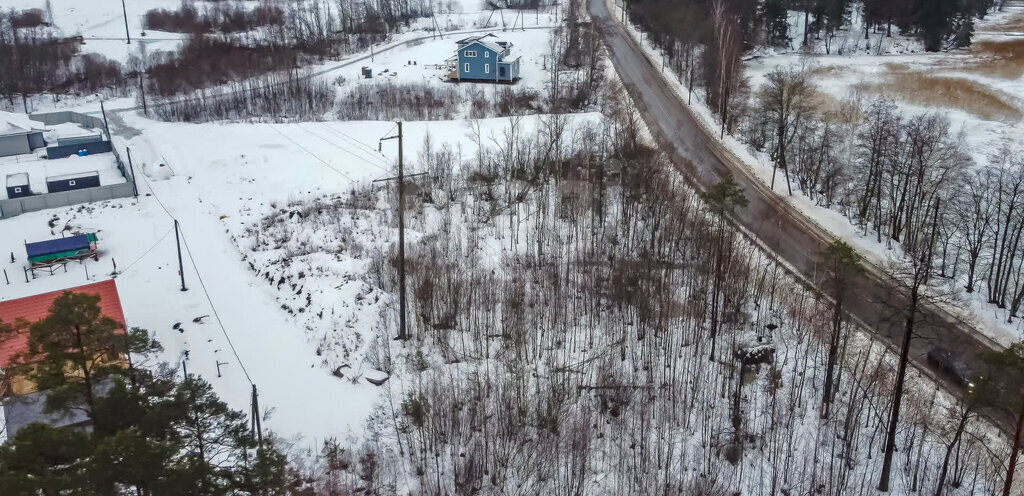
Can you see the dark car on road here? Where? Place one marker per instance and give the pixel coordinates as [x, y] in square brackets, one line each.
[951, 366]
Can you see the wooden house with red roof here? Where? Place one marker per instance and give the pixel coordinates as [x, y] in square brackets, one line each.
[35, 308]
[22, 403]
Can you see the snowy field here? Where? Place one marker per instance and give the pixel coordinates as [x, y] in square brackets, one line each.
[425, 62]
[216, 192]
[101, 23]
[992, 119]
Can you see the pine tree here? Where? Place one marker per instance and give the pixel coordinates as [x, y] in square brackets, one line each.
[150, 435]
[75, 351]
[41, 459]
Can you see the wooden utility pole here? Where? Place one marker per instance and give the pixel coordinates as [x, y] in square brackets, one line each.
[127, 33]
[131, 170]
[256, 427]
[181, 266]
[402, 332]
[142, 92]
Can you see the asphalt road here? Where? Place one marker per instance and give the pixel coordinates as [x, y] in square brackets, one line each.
[778, 227]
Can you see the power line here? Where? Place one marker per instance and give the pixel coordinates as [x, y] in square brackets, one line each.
[351, 139]
[329, 142]
[373, 153]
[214, 309]
[126, 269]
[202, 284]
[329, 166]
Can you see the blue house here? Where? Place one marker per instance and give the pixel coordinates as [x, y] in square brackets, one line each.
[482, 59]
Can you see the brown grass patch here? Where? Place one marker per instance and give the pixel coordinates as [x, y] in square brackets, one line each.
[1013, 24]
[828, 71]
[939, 91]
[1002, 59]
[826, 103]
[896, 67]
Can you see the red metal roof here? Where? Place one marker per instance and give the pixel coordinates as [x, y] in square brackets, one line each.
[35, 308]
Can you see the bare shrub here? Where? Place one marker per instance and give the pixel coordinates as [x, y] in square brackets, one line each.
[399, 101]
[30, 18]
[275, 97]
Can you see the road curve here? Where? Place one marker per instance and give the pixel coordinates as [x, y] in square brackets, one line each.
[876, 300]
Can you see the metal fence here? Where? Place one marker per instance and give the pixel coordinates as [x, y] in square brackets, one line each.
[65, 116]
[18, 206]
[61, 151]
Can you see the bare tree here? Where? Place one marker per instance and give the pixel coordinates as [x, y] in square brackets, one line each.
[785, 102]
[840, 262]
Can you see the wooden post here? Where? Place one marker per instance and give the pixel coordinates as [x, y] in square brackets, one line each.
[181, 266]
[127, 33]
[256, 416]
[7, 278]
[106, 125]
[131, 169]
[402, 334]
[142, 91]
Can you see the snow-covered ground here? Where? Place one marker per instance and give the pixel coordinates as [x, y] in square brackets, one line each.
[425, 62]
[218, 180]
[101, 23]
[842, 75]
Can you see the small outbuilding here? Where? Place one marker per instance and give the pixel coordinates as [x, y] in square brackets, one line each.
[19, 134]
[70, 182]
[18, 185]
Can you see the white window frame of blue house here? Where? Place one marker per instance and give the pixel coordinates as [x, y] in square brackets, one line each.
[487, 68]
[487, 55]
[471, 53]
[465, 68]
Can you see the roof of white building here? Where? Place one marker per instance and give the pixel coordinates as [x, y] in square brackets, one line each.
[13, 123]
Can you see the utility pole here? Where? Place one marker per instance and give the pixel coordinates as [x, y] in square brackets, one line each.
[256, 427]
[181, 266]
[402, 333]
[131, 169]
[106, 125]
[127, 33]
[142, 91]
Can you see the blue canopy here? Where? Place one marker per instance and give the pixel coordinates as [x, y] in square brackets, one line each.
[59, 245]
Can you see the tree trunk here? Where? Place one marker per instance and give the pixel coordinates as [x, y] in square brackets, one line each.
[1011, 467]
[897, 399]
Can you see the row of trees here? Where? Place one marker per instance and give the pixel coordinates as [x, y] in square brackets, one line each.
[898, 178]
[151, 434]
[225, 17]
[940, 24]
[34, 59]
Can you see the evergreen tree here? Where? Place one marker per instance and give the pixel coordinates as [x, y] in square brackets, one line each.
[41, 459]
[75, 350]
[150, 435]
